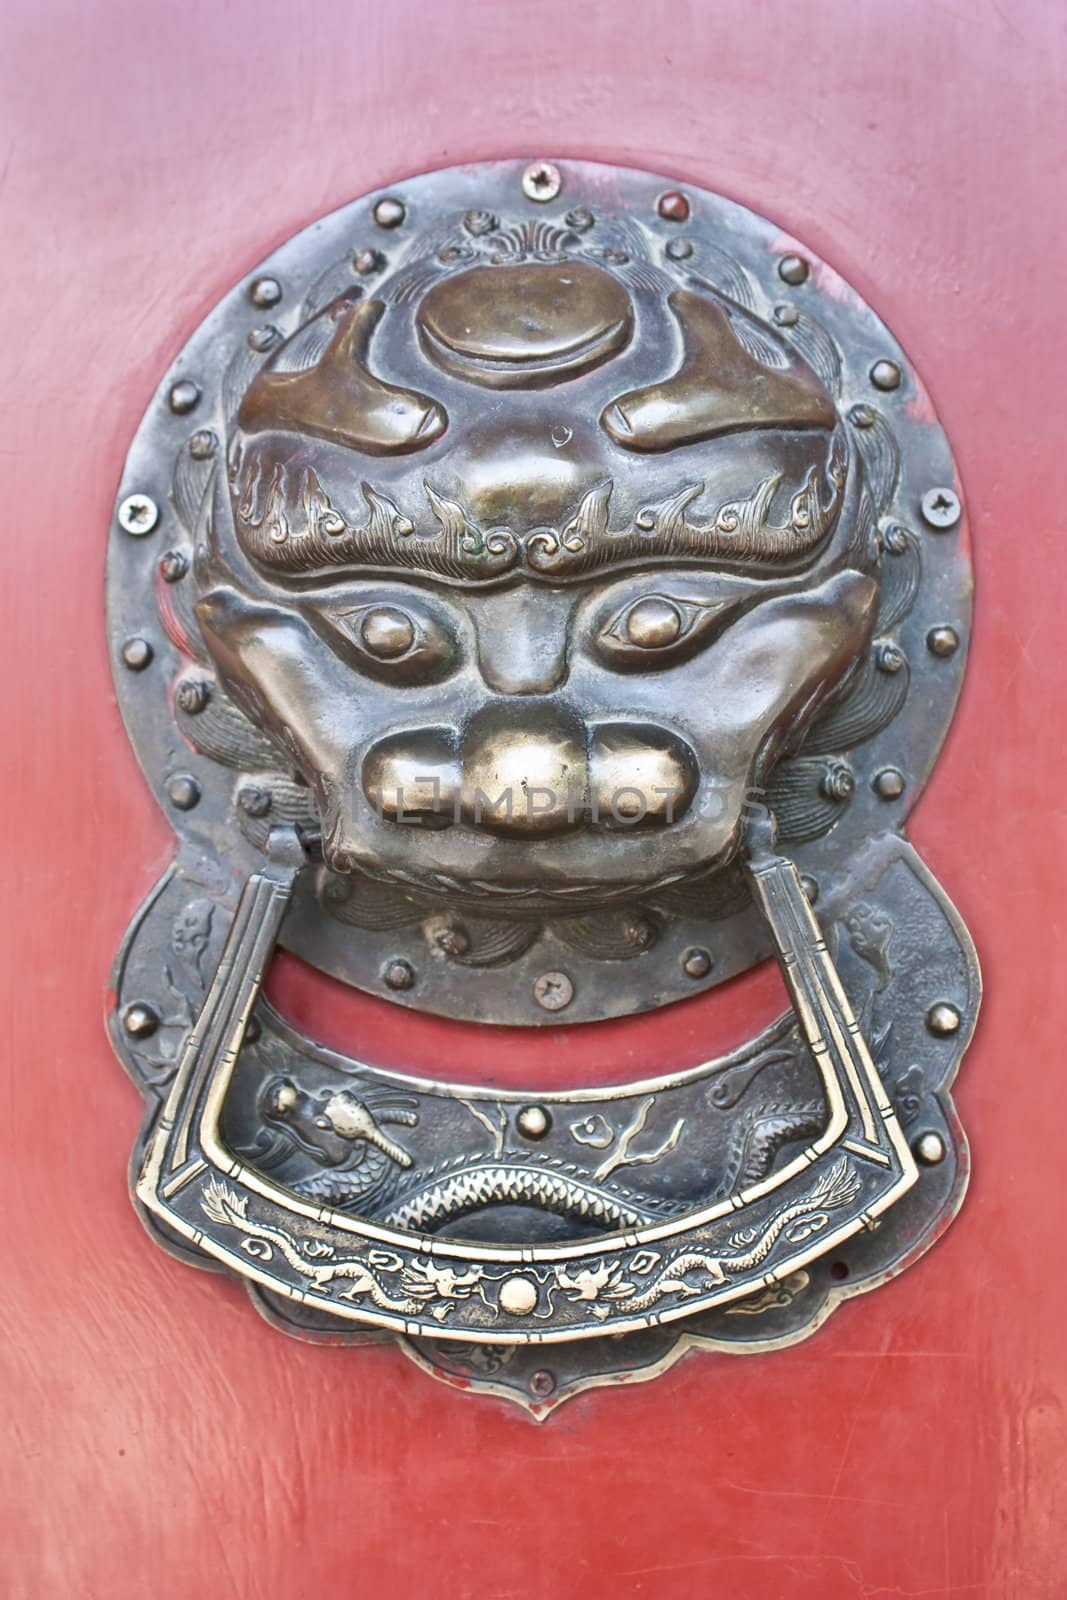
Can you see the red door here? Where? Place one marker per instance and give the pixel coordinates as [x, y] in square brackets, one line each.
[163, 1440]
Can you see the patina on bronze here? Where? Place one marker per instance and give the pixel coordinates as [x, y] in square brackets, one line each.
[529, 623]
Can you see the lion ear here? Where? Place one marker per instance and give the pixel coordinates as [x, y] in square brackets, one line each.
[339, 399]
[720, 387]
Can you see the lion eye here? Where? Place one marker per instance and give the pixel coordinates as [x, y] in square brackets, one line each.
[386, 632]
[654, 629]
[389, 641]
[653, 623]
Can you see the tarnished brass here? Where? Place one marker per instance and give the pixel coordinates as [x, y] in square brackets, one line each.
[537, 599]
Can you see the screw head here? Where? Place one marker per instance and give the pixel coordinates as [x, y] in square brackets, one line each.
[264, 292]
[138, 515]
[943, 641]
[541, 181]
[136, 654]
[390, 212]
[173, 566]
[889, 784]
[696, 963]
[140, 1020]
[541, 1383]
[673, 206]
[941, 508]
[810, 888]
[786, 316]
[943, 1019]
[183, 791]
[183, 396]
[886, 375]
[533, 1122]
[398, 975]
[862, 416]
[553, 991]
[929, 1148]
[793, 270]
[367, 261]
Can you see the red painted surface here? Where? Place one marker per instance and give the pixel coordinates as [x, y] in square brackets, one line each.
[160, 1438]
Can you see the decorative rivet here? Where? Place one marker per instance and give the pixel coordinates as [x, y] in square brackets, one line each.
[479, 223]
[136, 654]
[533, 1122]
[680, 249]
[398, 975]
[138, 515]
[793, 270]
[929, 1148]
[696, 963]
[254, 802]
[837, 781]
[541, 181]
[581, 219]
[943, 641]
[366, 262]
[518, 1296]
[262, 339]
[786, 316]
[140, 1020]
[451, 938]
[203, 444]
[639, 932]
[943, 1019]
[183, 396]
[889, 658]
[390, 213]
[553, 991]
[885, 375]
[673, 206]
[810, 888]
[192, 695]
[253, 1030]
[173, 566]
[941, 508]
[862, 416]
[541, 1383]
[888, 784]
[183, 791]
[264, 292]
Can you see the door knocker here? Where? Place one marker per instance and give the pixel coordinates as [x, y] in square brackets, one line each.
[537, 594]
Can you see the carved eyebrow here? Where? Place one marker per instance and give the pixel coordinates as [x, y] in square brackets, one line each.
[287, 524]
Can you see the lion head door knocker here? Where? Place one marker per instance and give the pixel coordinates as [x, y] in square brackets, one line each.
[536, 596]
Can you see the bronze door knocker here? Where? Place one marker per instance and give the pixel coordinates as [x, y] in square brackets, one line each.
[537, 594]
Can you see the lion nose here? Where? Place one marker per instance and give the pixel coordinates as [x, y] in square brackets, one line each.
[524, 773]
[640, 775]
[413, 777]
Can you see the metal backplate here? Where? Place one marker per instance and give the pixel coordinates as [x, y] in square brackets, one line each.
[518, 465]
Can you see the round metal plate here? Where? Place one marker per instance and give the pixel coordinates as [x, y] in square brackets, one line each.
[658, 955]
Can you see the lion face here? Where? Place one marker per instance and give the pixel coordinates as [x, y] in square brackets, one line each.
[534, 564]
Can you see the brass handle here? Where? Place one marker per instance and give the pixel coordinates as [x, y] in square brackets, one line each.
[439, 1286]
